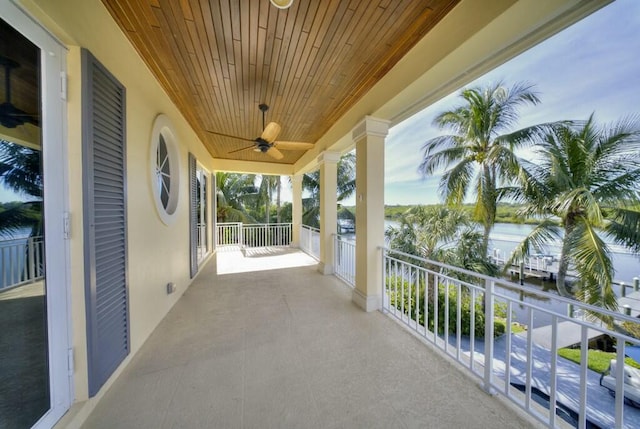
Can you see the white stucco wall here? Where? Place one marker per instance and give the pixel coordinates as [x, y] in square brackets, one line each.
[157, 253]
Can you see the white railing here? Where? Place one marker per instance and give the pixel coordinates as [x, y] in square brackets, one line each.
[344, 259]
[266, 235]
[228, 233]
[21, 261]
[471, 318]
[310, 241]
[253, 235]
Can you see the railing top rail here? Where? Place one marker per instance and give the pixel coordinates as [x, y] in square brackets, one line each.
[266, 224]
[228, 223]
[516, 287]
[310, 228]
[34, 238]
[342, 238]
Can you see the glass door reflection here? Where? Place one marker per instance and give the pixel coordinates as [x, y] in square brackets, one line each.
[24, 366]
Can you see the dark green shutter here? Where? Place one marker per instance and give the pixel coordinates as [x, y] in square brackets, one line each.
[193, 215]
[105, 221]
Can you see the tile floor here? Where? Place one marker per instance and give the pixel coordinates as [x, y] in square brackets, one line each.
[286, 348]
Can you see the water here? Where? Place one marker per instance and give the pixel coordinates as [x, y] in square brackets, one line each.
[506, 236]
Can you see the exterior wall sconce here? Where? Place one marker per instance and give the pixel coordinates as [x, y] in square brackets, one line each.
[282, 4]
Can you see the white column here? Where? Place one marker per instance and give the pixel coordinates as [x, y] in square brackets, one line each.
[296, 209]
[369, 136]
[328, 208]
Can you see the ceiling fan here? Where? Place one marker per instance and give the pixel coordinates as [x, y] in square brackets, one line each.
[267, 143]
[10, 115]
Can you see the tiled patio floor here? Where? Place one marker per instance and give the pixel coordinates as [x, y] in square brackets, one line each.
[286, 348]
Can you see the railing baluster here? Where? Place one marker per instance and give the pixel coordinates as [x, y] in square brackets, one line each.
[554, 369]
[436, 292]
[395, 281]
[383, 295]
[472, 331]
[4, 268]
[507, 352]
[620, 381]
[529, 379]
[417, 299]
[488, 334]
[426, 303]
[446, 316]
[458, 320]
[584, 350]
[402, 283]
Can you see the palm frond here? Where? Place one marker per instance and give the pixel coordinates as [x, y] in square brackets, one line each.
[16, 218]
[592, 258]
[442, 158]
[624, 227]
[455, 182]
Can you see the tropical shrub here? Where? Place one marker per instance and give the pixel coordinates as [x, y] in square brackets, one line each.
[402, 293]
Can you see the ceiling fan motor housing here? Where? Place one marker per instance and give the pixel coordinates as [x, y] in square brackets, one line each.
[262, 145]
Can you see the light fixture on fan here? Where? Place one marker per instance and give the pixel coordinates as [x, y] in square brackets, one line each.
[282, 4]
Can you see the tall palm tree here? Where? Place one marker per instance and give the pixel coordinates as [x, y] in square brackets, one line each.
[479, 155]
[588, 177]
[234, 193]
[269, 184]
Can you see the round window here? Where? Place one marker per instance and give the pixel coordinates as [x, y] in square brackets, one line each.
[165, 165]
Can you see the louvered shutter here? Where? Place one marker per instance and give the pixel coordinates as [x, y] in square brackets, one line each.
[105, 221]
[193, 215]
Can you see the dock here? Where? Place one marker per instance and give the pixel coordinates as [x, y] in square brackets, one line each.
[569, 334]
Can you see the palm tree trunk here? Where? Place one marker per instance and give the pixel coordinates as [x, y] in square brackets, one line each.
[267, 206]
[563, 264]
[278, 202]
[485, 240]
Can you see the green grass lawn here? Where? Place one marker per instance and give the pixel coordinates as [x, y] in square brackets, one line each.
[597, 360]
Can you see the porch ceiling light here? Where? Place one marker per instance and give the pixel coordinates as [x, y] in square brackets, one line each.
[282, 4]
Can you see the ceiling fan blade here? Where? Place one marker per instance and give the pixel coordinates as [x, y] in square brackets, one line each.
[240, 150]
[230, 136]
[293, 145]
[270, 132]
[275, 153]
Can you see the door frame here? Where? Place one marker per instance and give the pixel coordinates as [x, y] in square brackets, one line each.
[56, 206]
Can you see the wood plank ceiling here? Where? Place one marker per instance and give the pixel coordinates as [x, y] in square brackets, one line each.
[219, 59]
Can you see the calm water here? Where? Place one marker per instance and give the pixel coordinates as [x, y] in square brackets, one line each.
[506, 236]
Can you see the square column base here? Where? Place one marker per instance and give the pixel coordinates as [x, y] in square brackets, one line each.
[367, 303]
[326, 269]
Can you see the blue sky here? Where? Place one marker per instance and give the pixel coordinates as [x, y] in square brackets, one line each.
[593, 66]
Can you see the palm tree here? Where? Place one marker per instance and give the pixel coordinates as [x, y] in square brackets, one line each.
[441, 234]
[20, 172]
[479, 154]
[233, 193]
[268, 184]
[588, 177]
[346, 187]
